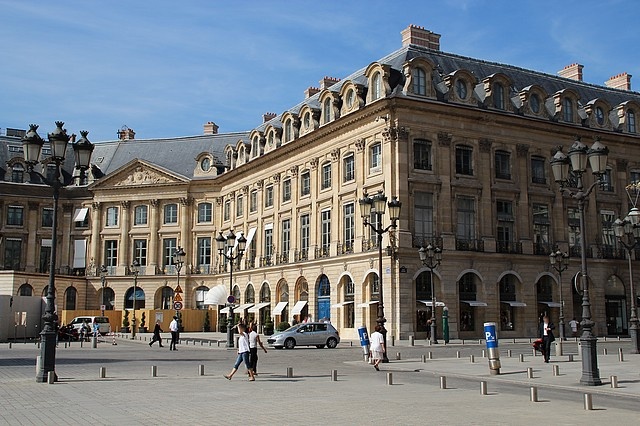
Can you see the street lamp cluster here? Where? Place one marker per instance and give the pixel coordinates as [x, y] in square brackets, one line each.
[32, 145]
[560, 262]
[135, 269]
[575, 165]
[431, 258]
[628, 233]
[178, 260]
[377, 205]
[226, 246]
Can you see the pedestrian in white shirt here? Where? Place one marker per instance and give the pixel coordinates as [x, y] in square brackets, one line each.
[243, 354]
[173, 327]
[377, 347]
[254, 342]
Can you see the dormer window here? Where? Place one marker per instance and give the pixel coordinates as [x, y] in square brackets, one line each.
[419, 78]
[326, 111]
[288, 130]
[567, 110]
[599, 116]
[307, 120]
[461, 89]
[351, 96]
[534, 103]
[498, 96]
[376, 89]
[205, 164]
[631, 121]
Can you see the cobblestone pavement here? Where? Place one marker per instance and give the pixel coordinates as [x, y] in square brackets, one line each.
[130, 395]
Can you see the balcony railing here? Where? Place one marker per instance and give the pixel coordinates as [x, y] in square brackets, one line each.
[369, 245]
[302, 255]
[574, 251]
[321, 252]
[344, 248]
[266, 261]
[609, 252]
[513, 247]
[469, 245]
[423, 241]
[542, 249]
[282, 259]
[250, 262]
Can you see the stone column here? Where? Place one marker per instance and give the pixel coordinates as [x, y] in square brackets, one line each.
[152, 254]
[96, 241]
[124, 245]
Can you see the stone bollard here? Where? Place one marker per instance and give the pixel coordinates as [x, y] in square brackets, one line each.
[556, 370]
[154, 371]
[472, 359]
[588, 402]
[457, 354]
[484, 355]
[398, 356]
[483, 387]
[51, 377]
[94, 342]
[10, 345]
[289, 372]
[393, 340]
[509, 353]
[479, 341]
[209, 343]
[103, 372]
[334, 375]
[571, 358]
[530, 373]
[411, 340]
[620, 355]
[521, 357]
[443, 382]
[201, 370]
[614, 381]
[423, 358]
[604, 351]
[430, 354]
[389, 379]
[533, 394]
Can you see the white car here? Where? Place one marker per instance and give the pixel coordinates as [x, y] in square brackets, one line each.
[318, 334]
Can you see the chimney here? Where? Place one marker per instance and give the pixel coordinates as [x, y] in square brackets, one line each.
[620, 81]
[210, 128]
[268, 116]
[310, 92]
[327, 82]
[125, 133]
[414, 34]
[573, 71]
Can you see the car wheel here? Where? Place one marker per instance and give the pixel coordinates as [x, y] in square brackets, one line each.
[319, 346]
[332, 342]
[290, 343]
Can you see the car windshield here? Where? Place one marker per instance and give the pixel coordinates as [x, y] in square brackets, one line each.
[292, 328]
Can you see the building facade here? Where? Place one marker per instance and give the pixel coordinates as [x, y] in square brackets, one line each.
[463, 143]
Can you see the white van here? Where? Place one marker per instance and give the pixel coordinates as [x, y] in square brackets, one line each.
[103, 323]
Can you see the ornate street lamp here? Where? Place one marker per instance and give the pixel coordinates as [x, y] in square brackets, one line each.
[135, 269]
[628, 233]
[178, 260]
[103, 280]
[377, 205]
[597, 158]
[431, 258]
[225, 249]
[560, 262]
[32, 149]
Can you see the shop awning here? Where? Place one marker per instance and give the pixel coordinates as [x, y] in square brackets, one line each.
[80, 214]
[551, 304]
[430, 303]
[298, 307]
[514, 304]
[225, 310]
[216, 296]
[365, 304]
[340, 305]
[473, 303]
[279, 308]
[257, 307]
[244, 307]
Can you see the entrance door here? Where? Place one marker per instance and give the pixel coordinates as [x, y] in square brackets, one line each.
[616, 316]
[324, 299]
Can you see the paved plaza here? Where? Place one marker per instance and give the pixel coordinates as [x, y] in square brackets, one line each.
[178, 394]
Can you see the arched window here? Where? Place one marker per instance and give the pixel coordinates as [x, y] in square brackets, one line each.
[139, 299]
[324, 297]
[419, 81]
[348, 303]
[200, 293]
[166, 297]
[108, 299]
[250, 294]
[423, 293]
[468, 303]
[25, 290]
[376, 88]
[70, 298]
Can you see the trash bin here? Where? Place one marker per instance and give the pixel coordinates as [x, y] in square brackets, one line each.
[364, 341]
[445, 324]
[492, 347]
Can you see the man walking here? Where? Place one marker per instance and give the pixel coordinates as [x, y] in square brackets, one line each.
[546, 333]
[173, 327]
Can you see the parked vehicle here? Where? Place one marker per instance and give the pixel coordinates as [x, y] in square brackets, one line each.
[318, 334]
[103, 323]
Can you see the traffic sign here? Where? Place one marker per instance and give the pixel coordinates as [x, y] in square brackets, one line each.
[177, 306]
[178, 289]
[177, 298]
[231, 299]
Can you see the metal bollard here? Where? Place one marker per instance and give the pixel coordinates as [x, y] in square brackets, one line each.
[94, 342]
[389, 379]
[154, 371]
[483, 387]
[529, 372]
[334, 375]
[533, 393]
[534, 352]
[556, 370]
[430, 354]
[209, 343]
[423, 358]
[393, 340]
[51, 377]
[620, 355]
[443, 382]
[484, 355]
[289, 372]
[201, 370]
[10, 345]
[588, 402]
[103, 372]
[614, 381]
[571, 358]
[509, 353]
[411, 338]
[457, 354]
[521, 357]
[604, 351]
[472, 359]
[479, 341]
[398, 356]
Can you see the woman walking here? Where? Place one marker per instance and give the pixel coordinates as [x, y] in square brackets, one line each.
[254, 342]
[243, 354]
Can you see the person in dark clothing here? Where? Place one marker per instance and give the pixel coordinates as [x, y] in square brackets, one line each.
[546, 334]
[156, 335]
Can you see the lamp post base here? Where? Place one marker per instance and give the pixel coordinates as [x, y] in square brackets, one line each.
[635, 336]
[47, 357]
[590, 371]
[230, 343]
[433, 339]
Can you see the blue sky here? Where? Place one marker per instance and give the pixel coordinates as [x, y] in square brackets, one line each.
[165, 67]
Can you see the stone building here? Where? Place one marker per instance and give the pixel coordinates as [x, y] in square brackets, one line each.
[463, 143]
